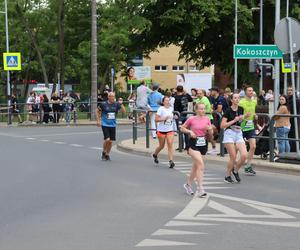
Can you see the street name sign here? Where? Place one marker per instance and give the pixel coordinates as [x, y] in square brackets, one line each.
[12, 61]
[253, 51]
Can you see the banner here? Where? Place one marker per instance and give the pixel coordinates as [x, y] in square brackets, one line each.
[137, 74]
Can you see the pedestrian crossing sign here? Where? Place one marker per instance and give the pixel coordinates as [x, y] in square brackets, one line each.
[12, 61]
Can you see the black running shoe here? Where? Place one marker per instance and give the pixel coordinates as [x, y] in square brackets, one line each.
[107, 157]
[103, 157]
[236, 176]
[172, 164]
[228, 180]
[249, 170]
[155, 158]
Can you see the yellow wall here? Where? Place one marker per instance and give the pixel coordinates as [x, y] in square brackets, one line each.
[167, 56]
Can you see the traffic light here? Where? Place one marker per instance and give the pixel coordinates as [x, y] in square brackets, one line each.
[258, 71]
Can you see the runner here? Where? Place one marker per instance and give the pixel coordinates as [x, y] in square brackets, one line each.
[248, 127]
[199, 128]
[164, 117]
[233, 138]
[108, 111]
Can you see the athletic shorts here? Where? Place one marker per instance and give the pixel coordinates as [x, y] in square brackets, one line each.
[109, 132]
[232, 136]
[249, 134]
[201, 149]
[160, 134]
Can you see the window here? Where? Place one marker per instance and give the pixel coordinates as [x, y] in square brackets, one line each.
[193, 68]
[160, 67]
[178, 68]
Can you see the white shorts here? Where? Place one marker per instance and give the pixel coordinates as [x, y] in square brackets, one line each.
[231, 136]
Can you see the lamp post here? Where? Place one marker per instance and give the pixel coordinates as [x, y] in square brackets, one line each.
[235, 42]
[236, 37]
[261, 42]
[9, 121]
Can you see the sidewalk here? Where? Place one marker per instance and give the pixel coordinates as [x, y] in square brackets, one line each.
[140, 148]
[81, 122]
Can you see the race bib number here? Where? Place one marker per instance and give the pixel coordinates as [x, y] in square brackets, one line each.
[201, 141]
[249, 124]
[169, 122]
[111, 116]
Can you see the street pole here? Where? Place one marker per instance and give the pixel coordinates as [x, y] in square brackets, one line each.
[277, 62]
[94, 64]
[9, 121]
[293, 83]
[235, 42]
[261, 42]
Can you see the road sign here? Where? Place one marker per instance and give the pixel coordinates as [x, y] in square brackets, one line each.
[253, 51]
[12, 61]
[281, 35]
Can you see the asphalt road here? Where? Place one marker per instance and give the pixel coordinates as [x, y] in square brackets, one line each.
[56, 193]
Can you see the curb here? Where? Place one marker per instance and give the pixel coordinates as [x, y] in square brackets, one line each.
[262, 165]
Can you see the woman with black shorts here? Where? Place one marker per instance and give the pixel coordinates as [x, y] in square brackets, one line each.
[164, 117]
[233, 138]
[199, 128]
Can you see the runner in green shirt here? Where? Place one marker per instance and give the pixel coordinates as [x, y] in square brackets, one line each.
[248, 125]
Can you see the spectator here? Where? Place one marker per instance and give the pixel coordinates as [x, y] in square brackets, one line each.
[292, 133]
[55, 99]
[68, 106]
[46, 109]
[269, 95]
[15, 108]
[181, 103]
[219, 103]
[142, 96]
[262, 98]
[154, 101]
[283, 125]
[132, 104]
[30, 103]
[194, 93]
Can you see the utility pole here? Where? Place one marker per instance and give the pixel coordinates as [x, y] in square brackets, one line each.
[261, 42]
[277, 62]
[94, 64]
[9, 121]
[235, 42]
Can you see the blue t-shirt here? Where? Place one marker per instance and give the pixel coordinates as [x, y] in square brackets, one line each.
[109, 113]
[154, 100]
[220, 100]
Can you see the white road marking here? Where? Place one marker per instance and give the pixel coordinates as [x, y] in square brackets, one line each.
[174, 232]
[162, 243]
[213, 182]
[215, 188]
[193, 207]
[59, 142]
[30, 138]
[95, 148]
[76, 145]
[44, 140]
[187, 223]
[177, 163]
[180, 169]
[66, 134]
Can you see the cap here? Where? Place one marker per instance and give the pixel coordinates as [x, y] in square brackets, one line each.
[215, 89]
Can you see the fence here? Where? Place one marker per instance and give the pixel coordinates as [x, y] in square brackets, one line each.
[80, 110]
[269, 122]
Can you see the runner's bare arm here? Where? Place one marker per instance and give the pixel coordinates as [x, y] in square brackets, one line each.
[185, 130]
[98, 116]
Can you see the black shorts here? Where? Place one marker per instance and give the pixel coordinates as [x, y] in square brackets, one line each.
[201, 149]
[249, 134]
[109, 132]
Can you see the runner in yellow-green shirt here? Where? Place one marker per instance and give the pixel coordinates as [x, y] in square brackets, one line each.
[202, 98]
[248, 125]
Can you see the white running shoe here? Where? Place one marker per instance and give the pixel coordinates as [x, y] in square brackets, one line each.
[212, 152]
[201, 194]
[188, 189]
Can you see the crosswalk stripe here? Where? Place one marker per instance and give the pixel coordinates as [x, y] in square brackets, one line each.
[161, 243]
[174, 232]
